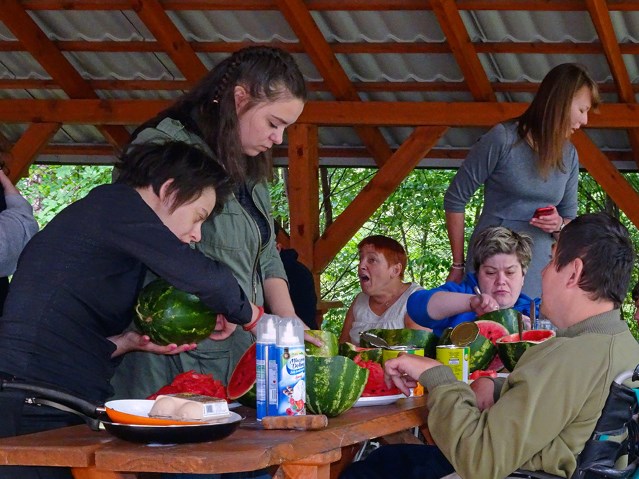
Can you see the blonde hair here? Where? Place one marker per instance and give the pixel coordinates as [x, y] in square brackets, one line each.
[501, 240]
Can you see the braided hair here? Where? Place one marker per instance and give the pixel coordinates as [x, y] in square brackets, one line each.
[267, 74]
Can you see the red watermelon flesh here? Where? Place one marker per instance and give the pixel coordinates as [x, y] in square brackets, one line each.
[491, 330]
[496, 364]
[375, 386]
[244, 375]
[195, 383]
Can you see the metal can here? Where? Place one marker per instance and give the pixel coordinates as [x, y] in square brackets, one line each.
[456, 358]
[394, 351]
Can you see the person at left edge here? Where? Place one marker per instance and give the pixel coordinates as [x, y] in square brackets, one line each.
[17, 226]
[77, 281]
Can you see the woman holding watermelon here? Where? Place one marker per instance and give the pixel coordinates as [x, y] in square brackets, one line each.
[77, 282]
[238, 111]
[501, 259]
[529, 169]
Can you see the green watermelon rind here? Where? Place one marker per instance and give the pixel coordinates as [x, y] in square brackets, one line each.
[407, 337]
[328, 349]
[507, 317]
[352, 351]
[510, 351]
[168, 315]
[333, 384]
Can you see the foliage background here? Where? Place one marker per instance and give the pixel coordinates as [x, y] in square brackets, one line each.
[413, 215]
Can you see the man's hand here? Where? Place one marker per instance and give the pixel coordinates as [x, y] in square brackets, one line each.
[484, 389]
[404, 371]
[134, 341]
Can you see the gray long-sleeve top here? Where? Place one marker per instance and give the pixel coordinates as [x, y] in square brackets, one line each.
[17, 226]
[513, 189]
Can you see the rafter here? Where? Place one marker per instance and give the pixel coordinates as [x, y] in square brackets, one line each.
[601, 18]
[170, 39]
[302, 23]
[14, 16]
[605, 173]
[334, 113]
[463, 49]
[28, 147]
[375, 193]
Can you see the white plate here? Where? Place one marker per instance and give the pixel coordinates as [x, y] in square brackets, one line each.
[377, 400]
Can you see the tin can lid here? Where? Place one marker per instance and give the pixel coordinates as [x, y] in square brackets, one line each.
[464, 333]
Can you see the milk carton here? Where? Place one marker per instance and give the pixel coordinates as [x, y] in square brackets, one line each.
[291, 368]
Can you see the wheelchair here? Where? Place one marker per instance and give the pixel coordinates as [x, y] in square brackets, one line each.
[612, 452]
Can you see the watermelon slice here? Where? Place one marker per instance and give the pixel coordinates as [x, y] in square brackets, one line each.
[375, 386]
[241, 386]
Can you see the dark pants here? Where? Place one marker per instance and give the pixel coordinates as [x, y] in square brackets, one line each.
[17, 418]
[405, 461]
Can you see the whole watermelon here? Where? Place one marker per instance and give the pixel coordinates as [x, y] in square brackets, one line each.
[168, 315]
[333, 384]
[506, 317]
[329, 339]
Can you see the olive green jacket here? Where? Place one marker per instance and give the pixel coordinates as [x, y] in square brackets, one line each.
[547, 409]
[232, 237]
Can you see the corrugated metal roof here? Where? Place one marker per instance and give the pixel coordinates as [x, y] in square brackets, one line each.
[408, 28]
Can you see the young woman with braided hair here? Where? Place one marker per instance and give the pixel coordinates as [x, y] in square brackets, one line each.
[238, 111]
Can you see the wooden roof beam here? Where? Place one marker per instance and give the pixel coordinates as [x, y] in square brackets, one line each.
[333, 113]
[16, 19]
[310, 36]
[170, 39]
[605, 173]
[463, 49]
[321, 5]
[32, 141]
[601, 19]
[375, 193]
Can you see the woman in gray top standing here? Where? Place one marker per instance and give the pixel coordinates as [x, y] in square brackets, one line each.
[526, 164]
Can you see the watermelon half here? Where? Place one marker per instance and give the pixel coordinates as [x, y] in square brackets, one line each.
[365, 354]
[241, 386]
[333, 384]
[510, 348]
[506, 317]
[407, 337]
[329, 347]
[168, 315]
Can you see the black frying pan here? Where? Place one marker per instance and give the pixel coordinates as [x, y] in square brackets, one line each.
[95, 415]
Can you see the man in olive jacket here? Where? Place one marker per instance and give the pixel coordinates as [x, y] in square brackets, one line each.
[548, 406]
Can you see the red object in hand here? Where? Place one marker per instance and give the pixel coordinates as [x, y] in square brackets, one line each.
[482, 374]
[544, 211]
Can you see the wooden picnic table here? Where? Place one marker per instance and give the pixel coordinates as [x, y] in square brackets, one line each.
[299, 454]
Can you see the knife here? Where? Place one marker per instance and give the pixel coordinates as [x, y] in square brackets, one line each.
[309, 422]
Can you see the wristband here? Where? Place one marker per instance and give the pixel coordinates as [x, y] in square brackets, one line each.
[561, 226]
[458, 266]
[251, 326]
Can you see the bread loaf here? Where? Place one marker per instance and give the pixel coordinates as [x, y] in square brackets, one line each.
[189, 407]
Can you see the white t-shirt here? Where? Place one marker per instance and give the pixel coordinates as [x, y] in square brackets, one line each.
[393, 318]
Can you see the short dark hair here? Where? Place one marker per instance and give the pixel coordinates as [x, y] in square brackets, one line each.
[604, 246]
[191, 169]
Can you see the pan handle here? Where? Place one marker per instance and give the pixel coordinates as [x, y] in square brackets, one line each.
[46, 392]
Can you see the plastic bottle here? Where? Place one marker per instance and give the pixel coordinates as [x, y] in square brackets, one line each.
[266, 366]
[291, 368]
